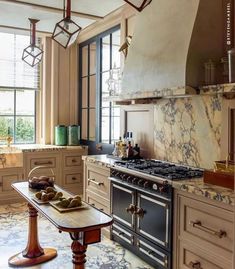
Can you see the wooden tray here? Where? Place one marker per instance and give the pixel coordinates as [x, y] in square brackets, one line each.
[219, 178]
[62, 210]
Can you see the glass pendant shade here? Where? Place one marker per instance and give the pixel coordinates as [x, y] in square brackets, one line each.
[138, 4]
[32, 54]
[66, 31]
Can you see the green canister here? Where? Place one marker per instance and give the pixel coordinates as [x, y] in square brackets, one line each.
[73, 135]
[61, 135]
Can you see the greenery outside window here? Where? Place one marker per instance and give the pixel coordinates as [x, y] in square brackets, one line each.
[18, 85]
[100, 119]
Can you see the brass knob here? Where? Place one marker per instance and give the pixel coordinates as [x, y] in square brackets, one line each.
[130, 209]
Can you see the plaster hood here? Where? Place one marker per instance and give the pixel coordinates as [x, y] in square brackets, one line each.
[171, 42]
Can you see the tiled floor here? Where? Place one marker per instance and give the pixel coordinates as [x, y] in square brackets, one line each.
[13, 236]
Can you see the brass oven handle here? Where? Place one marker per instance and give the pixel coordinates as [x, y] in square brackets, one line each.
[130, 209]
[139, 212]
[198, 225]
[95, 182]
[195, 265]
[43, 163]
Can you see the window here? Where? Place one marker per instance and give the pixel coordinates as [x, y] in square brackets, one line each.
[100, 119]
[18, 85]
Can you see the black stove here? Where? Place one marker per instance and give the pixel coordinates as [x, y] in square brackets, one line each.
[141, 205]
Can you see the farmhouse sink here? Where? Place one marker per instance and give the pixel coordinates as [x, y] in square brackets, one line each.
[10, 157]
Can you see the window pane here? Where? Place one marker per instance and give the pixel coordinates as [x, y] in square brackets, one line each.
[84, 92]
[92, 124]
[106, 53]
[115, 132]
[92, 91]
[25, 103]
[105, 130]
[84, 124]
[116, 111]
[6, 102]
[105, 86]
[25, 130]
[92, 58]
[6, 128]
[105, 112]
[116, 37]
[84, 61]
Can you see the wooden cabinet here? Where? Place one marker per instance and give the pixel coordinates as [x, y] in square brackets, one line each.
[49, 160]
[203, 233]
[97, 188]
[72, 170]
[7, 177]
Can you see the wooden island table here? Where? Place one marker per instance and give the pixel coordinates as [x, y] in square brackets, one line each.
[83, 225]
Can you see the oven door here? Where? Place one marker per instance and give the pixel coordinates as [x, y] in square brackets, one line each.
[123, 204]
[154, 219]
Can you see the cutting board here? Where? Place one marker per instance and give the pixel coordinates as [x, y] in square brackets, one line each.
[62, 210]
[218, 178]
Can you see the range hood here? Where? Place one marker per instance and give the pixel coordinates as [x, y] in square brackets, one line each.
[171, 43]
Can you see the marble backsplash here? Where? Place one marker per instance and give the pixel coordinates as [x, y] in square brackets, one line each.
[188, 130]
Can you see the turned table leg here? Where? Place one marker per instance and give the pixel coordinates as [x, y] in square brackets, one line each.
[33, 253]
[79, 252]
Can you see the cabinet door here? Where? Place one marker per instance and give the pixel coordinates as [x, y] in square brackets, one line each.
[153, 219]
[122, 201]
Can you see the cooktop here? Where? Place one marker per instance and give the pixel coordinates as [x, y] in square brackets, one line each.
[161, 169]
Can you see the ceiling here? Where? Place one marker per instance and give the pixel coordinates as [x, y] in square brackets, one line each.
[15, 13]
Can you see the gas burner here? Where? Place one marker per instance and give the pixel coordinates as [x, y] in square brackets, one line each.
[161, 169]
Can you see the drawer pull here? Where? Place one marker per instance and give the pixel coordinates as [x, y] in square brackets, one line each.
[43, 163]
[121, 233]
[101, 209]
[198, 225]
[95, 182]
[74, 178]
[92, 204]
[151, 252]
[74, 160]
[195, 265]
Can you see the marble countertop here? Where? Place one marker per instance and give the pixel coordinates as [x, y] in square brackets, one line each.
[101, 160]
[37, 147]
[198, 187]
[194, 186]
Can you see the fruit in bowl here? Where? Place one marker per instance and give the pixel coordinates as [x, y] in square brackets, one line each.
[41, 182]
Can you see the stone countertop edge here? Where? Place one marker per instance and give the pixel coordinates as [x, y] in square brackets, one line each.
[38, 148]
[194, 186]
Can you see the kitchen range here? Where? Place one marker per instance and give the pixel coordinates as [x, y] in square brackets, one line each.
[142, 206]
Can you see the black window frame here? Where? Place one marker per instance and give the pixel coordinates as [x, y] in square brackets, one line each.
[104, 147]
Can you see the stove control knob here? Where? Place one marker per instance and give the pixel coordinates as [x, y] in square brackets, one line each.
[140, 182]
[146, 184]
[155, 187]
[134, 180]
[163, 188]
[129, 179]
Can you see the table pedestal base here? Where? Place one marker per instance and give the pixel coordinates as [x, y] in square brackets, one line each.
[20, 260]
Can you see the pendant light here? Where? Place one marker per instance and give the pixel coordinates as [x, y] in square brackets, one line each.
[66, 31]
[138, 4]
[32, 55]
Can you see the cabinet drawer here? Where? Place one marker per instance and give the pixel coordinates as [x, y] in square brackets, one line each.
[7, 180]
[191, 258]
[73, 178]
[70, 161]
[49, 162]
[207, 225]
[98, 183]
[97, 202]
